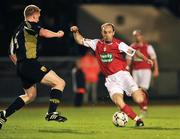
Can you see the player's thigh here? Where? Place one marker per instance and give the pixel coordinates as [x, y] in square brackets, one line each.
[52, 79]
[31, 72]
[129, 85]
[114, 86]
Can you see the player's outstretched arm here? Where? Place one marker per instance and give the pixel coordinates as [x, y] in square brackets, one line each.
[129, 62]
[77, 36]
[140, 55]
[50, 34]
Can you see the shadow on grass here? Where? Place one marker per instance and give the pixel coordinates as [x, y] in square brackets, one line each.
[69, 131]
[155, 128]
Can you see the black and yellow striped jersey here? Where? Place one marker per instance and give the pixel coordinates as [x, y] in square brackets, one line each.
[24, 42]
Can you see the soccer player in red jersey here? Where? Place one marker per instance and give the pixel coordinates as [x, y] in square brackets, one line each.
[141, 70]
[109, 52]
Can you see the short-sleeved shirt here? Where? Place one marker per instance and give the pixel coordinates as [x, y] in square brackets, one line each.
[24, 42]
[148, 51]
[110, 56]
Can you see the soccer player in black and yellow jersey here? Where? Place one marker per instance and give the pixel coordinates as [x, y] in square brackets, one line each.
[23, 53]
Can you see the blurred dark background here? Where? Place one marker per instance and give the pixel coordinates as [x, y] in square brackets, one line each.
[60, 14]
[159, 19]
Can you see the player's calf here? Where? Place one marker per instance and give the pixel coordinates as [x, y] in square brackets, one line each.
[144, 104]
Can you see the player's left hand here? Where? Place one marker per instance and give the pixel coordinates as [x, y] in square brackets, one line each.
[60, 33]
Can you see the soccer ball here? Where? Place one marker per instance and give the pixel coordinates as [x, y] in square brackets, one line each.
[120, 119]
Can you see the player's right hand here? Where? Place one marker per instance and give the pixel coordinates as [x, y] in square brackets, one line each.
[74, 29]
[155, 73]
[60, 33]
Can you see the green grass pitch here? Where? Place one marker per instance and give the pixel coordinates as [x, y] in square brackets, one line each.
[163, 122]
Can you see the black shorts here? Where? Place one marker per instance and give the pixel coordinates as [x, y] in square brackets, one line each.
[31, 72]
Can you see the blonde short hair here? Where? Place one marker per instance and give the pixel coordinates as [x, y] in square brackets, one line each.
[30, 10]
[107, 24]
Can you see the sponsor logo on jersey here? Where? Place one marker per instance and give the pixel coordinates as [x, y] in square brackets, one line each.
[138, 59]
[106, 58]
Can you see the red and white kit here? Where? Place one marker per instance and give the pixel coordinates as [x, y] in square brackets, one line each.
[113, 64]
[142, 70]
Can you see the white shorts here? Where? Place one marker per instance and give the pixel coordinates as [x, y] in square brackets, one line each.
[142, 77]
[120, 82]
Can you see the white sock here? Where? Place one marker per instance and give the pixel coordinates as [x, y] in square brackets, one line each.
[4, 113]
[136, 118]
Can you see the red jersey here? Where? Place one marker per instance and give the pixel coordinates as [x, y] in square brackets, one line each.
[110, 57]
[139, 63]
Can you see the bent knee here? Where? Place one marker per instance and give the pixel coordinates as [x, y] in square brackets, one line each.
[139, 99]
[27, 98]
[120, 104]
[61, 83]
[31, 97]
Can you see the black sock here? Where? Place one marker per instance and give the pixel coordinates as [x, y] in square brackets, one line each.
[55, 97]
[16, 105]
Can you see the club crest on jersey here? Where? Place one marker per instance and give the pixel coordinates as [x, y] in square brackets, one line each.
[105, 48]
[44, 69]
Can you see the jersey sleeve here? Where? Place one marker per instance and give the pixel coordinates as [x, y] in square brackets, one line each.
[32, 26]
[12, 47]
[127, 49]
[36, 27]
[90, 43]
[151, 52]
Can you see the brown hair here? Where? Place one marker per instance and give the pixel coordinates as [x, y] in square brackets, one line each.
[30, 10]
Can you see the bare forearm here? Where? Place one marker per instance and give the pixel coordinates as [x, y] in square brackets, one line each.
[78, 37]
[140, 55]
[156, 67]
[129, 61]
[50, 34]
